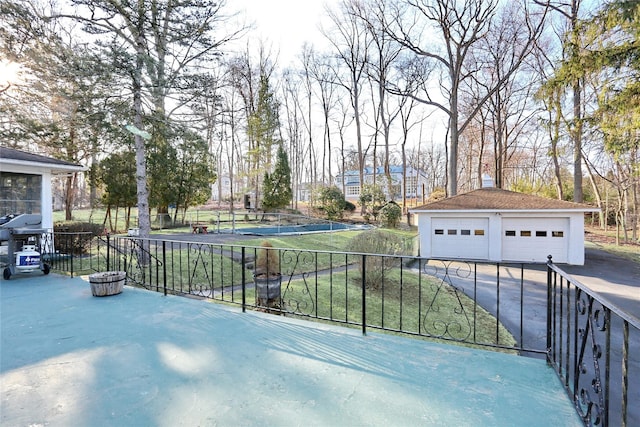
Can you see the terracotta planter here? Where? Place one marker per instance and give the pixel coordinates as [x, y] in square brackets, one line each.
[107, 283]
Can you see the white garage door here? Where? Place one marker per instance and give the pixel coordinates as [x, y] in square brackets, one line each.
[465, 238]
[532, 239]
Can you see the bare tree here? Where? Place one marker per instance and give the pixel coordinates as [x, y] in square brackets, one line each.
[343, 120]
[351, 42]
[460, 26]
[322, 71]
[293, 128]
[508, 110]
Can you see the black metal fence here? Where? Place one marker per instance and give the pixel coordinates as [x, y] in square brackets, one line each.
[594, 348]
[534, 310]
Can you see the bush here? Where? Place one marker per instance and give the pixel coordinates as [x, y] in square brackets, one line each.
[349, 207]
[330, 200]
[376, 242]
[372, 199]
[437, 194]
[74, 238]
[390, 215]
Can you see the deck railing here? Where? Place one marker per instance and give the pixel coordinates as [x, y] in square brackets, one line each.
[533, 310]
[594, 348]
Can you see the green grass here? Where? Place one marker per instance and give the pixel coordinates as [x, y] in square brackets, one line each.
[630, 252]
[421, 306]
[97, 216]
[335, 241]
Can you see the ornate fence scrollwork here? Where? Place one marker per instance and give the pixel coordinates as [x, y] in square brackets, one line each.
[592, 320]
[299, 266]
[456, 323]
[199, 284]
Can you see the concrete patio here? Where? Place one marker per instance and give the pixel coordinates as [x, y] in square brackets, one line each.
[142, 359]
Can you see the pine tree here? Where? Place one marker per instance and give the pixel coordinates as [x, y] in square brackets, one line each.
[262, 130]
[277, 185]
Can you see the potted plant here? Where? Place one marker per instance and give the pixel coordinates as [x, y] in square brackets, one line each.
[267, 277]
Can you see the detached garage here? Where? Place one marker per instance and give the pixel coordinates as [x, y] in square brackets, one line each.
[491, 224]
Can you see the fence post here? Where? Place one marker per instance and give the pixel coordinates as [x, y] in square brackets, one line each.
[164, 266]
[244, 294]
[549, 301]
[71, 262]
[364, 296]
[108, 251]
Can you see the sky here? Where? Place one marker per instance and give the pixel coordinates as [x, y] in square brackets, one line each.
[285, 24]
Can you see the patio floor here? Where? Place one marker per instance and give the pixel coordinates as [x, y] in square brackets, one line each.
[143, 359]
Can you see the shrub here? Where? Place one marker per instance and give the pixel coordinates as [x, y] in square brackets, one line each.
[376, 242]
[437, 194]
[371, 199]
[390, 214]
[349, 207]
[330, 200]
[75, 237]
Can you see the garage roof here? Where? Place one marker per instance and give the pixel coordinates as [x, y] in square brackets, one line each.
[497, 199]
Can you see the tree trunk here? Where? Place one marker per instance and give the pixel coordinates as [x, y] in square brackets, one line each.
[69, 196]
[452, 163]
[577, 144]
[144, 222]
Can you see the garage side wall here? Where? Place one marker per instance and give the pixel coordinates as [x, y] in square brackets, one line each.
[576, 239]
[424, 234]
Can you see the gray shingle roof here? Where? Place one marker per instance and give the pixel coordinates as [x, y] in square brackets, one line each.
[14, 155]
[500, 200]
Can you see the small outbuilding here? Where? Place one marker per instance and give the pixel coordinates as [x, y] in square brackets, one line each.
[492, 224]
[25, 182]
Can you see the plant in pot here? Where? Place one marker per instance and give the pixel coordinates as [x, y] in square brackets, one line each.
[267, 277]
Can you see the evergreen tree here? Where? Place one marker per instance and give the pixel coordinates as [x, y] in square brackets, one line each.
[616, 57]
[277, 185]
[262, 130]
[159, 49]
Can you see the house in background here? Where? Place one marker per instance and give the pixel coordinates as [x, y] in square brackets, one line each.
[221, 189]
[491, 224]
[416, 182]
[25, 183]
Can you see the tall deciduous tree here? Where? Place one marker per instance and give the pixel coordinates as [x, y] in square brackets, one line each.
[351, 42]
[459, 25]
[505, 116]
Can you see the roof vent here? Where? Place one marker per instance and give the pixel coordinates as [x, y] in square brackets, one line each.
[487, 181]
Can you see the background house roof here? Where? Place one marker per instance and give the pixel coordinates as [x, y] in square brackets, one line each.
[499, 199]
[18, 157]
[395, 169]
